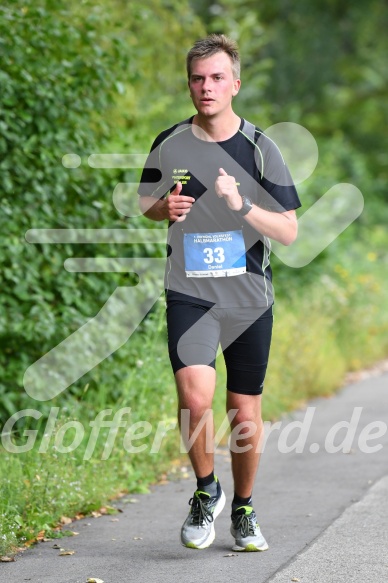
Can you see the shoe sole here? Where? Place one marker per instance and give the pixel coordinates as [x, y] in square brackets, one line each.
[210, 539]
[250, 548]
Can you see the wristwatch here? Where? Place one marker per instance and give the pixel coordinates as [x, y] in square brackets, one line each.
[246, 206]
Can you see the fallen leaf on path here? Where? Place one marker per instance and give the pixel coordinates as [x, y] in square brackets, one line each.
[64, 553]
[114, 520]
[295, 579]
[7, 559]
[94, 580]
[66, 520]
[56, 546]
[137, 538]
[231, 555]
[96, 514]
[79, 516]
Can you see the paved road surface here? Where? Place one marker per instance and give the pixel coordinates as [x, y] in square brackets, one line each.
[324, 513]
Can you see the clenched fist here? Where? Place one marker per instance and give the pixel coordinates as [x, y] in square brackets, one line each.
[226, 188]
[177, 206]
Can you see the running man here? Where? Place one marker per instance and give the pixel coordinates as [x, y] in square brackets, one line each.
[226, 192]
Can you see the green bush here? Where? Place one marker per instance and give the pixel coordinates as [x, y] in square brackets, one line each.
[69, 79]
[56, 81]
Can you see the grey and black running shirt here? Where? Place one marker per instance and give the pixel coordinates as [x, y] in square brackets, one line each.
[261, 174]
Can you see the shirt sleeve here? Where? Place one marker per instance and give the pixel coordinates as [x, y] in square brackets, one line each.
[152, 183]
[278, 190]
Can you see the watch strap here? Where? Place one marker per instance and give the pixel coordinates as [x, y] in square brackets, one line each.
[246, 206]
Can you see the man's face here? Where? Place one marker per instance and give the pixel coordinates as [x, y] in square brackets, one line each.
[212, 85]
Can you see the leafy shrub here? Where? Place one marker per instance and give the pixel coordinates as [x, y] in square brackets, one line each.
[56, 81]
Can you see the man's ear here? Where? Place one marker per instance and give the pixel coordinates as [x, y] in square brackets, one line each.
[236, 86]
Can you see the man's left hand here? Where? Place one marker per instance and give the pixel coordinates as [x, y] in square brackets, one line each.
[226, 188]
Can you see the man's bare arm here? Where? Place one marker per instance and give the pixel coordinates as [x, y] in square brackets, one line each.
[281, 227]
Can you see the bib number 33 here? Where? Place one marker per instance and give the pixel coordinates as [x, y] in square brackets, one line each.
[214, 254]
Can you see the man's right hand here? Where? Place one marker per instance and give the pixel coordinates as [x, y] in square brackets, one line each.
[174, 207]
[177, 206]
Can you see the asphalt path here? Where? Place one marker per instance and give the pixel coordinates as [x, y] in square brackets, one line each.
[321, 497]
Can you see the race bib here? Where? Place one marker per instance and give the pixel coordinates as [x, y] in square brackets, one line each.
[214, 254]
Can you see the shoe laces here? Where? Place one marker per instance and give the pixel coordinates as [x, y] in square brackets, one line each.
[246, 523]
[200, 509]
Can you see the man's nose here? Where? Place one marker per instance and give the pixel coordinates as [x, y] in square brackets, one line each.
[206, 85]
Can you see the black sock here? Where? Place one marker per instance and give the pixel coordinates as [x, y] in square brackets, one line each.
[238, 501]
[202, 483]
[207, 484]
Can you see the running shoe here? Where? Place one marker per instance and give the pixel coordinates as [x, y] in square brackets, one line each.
[246, 531]
[198, 529]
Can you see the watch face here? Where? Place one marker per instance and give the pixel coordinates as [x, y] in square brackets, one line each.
[247, 205]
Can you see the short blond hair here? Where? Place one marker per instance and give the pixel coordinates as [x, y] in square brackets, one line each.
[209, 46]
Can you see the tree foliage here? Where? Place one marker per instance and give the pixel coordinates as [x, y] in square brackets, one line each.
[64, 66]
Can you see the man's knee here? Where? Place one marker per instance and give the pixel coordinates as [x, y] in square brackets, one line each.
[245, 411]
[195, 386]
